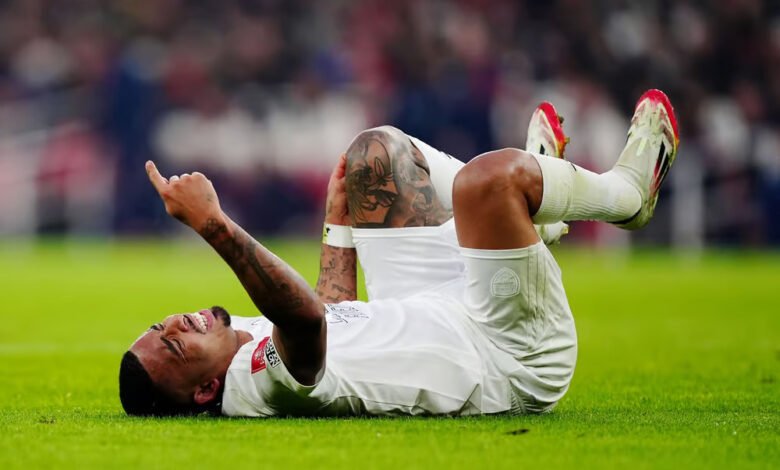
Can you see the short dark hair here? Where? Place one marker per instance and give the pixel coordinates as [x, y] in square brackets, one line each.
[140, 396]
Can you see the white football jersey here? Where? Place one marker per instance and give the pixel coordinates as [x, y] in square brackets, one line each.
[413, 356]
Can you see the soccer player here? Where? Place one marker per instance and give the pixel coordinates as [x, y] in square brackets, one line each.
[466, 314]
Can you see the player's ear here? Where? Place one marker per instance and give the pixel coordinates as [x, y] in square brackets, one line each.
[207, 391]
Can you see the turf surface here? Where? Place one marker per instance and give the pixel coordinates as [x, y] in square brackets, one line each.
[679, 366]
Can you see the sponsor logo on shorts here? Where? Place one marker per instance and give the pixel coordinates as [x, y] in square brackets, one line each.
[505, 283]
[258, 358]
[271, 355]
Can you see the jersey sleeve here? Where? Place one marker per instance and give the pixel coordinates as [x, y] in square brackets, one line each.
[276, 386]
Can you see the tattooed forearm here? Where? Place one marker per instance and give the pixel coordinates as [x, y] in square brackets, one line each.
[275, 288]
[338, 275]
[343, 290]
[213, 230]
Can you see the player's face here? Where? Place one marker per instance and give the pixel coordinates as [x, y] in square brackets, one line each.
[186, 351]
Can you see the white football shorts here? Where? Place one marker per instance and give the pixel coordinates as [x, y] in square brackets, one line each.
[513, 297]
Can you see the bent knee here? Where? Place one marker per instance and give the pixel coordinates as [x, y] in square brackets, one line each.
[387, 136]
[498, 174]
[387, 140]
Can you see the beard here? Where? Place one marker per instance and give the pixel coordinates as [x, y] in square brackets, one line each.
[221, 314]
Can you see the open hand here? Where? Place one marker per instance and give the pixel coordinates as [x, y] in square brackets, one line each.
[336, 210]
[190, 198]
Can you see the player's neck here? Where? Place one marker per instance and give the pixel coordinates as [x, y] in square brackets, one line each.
[242, 337]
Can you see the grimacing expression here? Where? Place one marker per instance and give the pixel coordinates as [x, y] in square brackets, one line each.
[186, 352]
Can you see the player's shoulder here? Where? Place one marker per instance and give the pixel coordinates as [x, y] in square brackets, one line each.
[241, 396]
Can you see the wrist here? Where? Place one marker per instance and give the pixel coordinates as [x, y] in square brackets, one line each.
[336, 235]
[335, 219]
[212, 227]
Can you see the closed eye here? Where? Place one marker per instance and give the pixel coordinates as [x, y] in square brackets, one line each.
[180, 344]
[169, 343]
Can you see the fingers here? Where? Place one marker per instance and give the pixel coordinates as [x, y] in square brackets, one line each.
[160, 183]
[155, 177]
[341, 166]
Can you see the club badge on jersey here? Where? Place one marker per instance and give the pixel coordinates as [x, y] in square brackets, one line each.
[258, 356]
[264, 355]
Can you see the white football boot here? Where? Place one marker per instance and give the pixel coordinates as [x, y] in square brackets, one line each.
[546, 137]
[650, 150]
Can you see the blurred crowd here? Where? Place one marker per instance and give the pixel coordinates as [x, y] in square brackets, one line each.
[264, 95]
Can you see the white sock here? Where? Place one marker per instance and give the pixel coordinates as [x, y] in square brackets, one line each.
[574, 193]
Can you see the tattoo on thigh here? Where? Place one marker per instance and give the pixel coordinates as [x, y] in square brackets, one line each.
[388, 184]
[370, 186]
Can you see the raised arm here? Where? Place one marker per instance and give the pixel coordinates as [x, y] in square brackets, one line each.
[338, 275]
[275, 288]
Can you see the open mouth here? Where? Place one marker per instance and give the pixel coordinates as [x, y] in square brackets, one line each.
[201, 321]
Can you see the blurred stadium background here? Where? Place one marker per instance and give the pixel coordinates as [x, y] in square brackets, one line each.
[679, 354]
[264, 95]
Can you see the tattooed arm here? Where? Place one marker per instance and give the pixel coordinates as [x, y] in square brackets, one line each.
[338, 276]
[275, 288]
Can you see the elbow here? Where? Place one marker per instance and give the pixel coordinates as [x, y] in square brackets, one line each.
[314, 323]
[307, 320]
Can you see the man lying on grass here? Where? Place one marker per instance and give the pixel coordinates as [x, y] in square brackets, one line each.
[467, 313]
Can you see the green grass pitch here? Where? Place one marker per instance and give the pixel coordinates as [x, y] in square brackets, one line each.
[679, 367]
